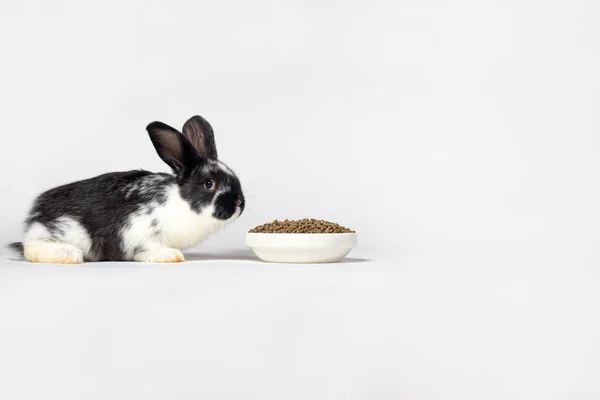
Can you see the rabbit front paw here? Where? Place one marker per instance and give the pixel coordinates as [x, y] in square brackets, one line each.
[160, 255]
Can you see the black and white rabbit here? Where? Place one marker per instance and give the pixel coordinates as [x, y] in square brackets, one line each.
[138, 215]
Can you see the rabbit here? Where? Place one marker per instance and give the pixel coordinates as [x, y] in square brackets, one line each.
[138, 215]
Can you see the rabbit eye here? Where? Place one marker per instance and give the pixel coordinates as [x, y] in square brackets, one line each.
[208, 184]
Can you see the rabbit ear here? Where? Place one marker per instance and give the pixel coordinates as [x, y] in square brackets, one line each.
[200, 134]
[172, 147]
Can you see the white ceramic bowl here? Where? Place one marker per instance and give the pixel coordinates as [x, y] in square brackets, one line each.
[301, 247]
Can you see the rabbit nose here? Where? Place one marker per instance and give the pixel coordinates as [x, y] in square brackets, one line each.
[238, 202]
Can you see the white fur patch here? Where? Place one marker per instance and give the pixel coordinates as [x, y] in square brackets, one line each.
[37, 231]
[176, 225]
[66, 230]
[74, 233]
[222, 190]
[66, 242]
[42, 251]
[145, 184]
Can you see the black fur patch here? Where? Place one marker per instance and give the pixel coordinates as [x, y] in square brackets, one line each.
[194, 191]
[18, 248]
[102, 205]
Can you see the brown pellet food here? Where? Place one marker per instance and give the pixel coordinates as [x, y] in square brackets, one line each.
[306, 225]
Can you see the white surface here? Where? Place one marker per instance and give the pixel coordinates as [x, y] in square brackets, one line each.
[301, 248]
[375, 326]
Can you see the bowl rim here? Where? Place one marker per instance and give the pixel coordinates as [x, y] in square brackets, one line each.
[302, 234]
[304, 240]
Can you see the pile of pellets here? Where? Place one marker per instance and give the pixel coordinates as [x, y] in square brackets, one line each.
[306, 225]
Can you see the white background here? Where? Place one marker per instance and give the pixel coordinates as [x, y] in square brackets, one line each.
[464, 136]
[422, 124]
